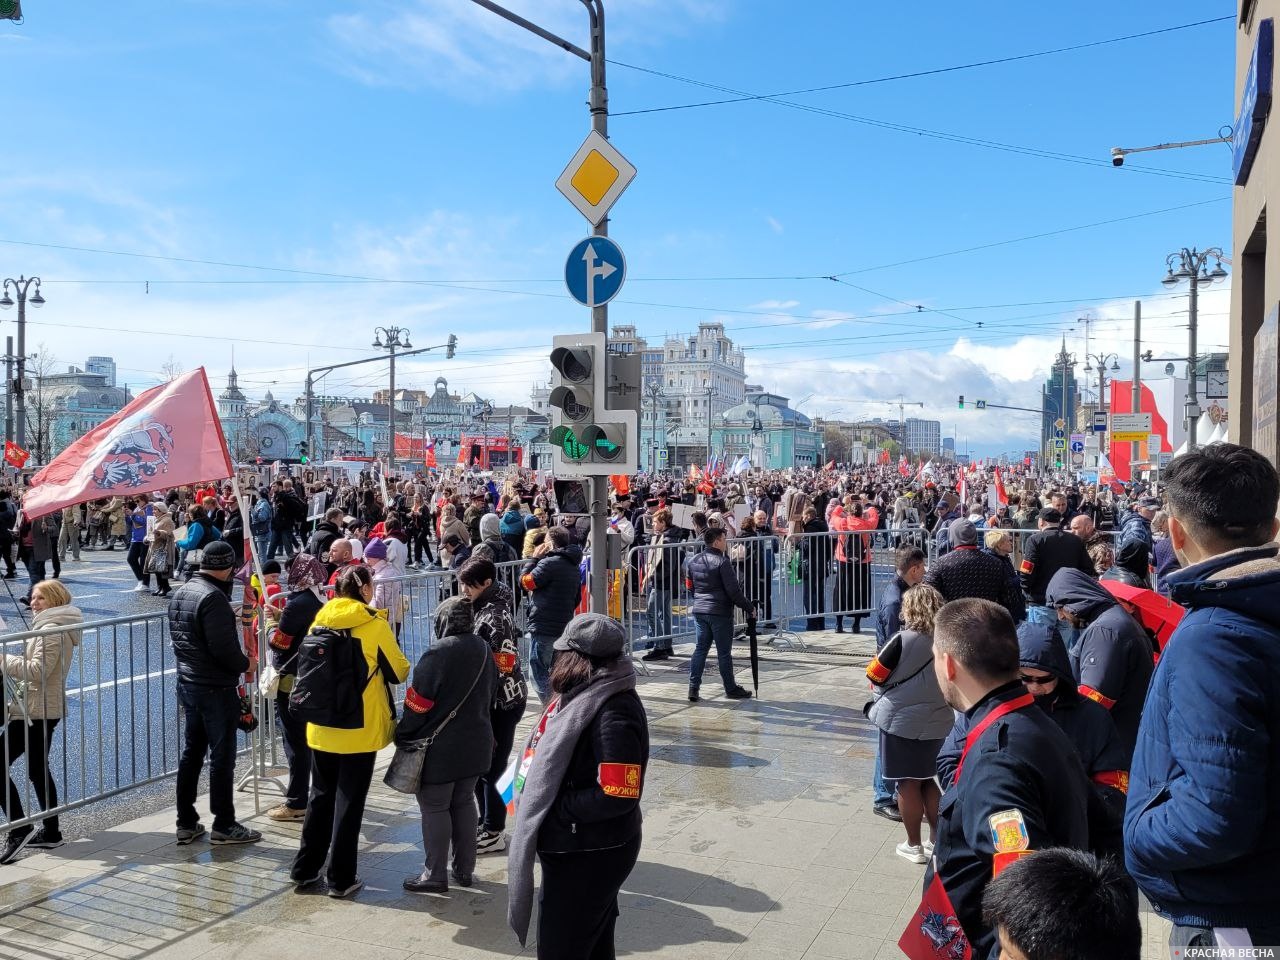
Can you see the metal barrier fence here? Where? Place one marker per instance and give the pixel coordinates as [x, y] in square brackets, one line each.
[799, 582]
[119, 728]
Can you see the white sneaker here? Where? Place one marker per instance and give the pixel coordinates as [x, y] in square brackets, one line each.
[490, 842]
[927, 847]
[140, 587]
[912, 853]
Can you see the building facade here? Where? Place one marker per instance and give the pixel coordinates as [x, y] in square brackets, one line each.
[103, 365]
[768, 432]
[1058, 401]
[1255, 300]
[63, 407]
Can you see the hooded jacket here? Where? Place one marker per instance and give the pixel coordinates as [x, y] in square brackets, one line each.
[1113, 660]
[444, 682]
[1202, 828]
[42, 667]
[493, 545]
[554, 583]
[511, 527]
[384, 663]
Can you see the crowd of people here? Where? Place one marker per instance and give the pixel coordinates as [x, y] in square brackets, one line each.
[1097, 758]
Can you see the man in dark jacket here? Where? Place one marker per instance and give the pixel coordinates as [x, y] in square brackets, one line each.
[1019, 787]
[326, 531]
[1202, 828]
[968, 572]
[1045, 553]
[1113, 659]
[206, 644]
[554, 582]
[710, 578]
[1135, 533]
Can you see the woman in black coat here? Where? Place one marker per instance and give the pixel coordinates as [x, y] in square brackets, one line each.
[578, 794]
[815, 561]
[448, 699]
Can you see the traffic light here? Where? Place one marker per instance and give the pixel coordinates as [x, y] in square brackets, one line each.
[451, 348]
[594, 399]
[302, 451]
[962, 401]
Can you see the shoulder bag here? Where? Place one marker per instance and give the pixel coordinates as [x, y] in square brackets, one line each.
[404, 772]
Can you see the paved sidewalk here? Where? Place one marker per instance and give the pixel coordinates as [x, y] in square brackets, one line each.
[759, 843]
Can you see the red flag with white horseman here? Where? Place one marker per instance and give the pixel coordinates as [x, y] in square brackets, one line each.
[168, 436]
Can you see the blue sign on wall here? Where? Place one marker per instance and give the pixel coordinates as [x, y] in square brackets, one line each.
[1255, 103]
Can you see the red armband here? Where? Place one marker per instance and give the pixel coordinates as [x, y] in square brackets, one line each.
[1026, 566]
[1113, 778]
[506, 662]
[877, 672]
[621, 780]
[526, 581]
[1097, 696]
[417, 702]
[1002, 860]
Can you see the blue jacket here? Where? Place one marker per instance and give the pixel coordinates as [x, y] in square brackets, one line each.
[889, 613]
[710, 577]
[1202, 825]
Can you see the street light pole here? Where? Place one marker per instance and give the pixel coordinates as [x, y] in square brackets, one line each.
[393, 341]
[18, 386]
[1193, 267]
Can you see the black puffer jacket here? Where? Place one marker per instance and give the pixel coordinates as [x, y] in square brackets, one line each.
[322, 538]
[584, 817]
[203, 630]
[295, 623]
[716, 591]
[555, 587]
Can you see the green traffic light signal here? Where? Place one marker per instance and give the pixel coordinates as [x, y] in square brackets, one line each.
[961, 401]
[568, 442]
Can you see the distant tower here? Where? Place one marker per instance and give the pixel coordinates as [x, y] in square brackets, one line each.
[106, 366]
[231, 401]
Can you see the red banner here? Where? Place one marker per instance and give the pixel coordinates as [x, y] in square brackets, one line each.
[169, 436]
[14, 455]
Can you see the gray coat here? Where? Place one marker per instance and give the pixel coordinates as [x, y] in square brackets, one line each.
[909, 703]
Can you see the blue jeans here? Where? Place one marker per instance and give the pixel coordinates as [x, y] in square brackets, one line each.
[540, 657]
[658, 610]
[882, 789]
[718, 630]
[279, 539]
[211, 714]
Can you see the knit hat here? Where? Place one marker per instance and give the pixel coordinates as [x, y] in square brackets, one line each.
[593, 634]
[375, 549]
[218, 556]
[963, 533]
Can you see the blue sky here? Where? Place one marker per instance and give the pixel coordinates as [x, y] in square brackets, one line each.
[419, 141]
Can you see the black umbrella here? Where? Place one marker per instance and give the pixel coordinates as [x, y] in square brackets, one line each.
[755, 653]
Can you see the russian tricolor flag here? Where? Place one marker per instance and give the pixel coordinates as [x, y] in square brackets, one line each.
[507, 787]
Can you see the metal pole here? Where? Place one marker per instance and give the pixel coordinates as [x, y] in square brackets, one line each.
[19, 387]
[391, 409]
[308, 388]
[1193, 407]
[8, 394]
[599, 105]
[1137, 372]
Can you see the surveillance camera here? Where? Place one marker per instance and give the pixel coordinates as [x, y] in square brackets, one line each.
[1117, 157]
[1168, 369]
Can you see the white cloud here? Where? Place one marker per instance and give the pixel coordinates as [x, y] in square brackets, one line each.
[774, 225]
[770, 305]
[462, 48]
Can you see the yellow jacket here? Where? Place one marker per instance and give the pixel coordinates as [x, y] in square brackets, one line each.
[376, 637]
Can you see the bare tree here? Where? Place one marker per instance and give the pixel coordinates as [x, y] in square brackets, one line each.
[40, 405]
[171, 368]
[837, 441]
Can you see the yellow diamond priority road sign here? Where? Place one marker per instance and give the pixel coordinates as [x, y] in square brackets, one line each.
[595, 178]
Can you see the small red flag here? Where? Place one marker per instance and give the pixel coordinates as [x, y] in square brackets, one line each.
[14, 455]
[168, 436]
[934, 931]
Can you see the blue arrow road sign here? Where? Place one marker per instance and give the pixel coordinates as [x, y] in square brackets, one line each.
[594, 271]
[1077, 446]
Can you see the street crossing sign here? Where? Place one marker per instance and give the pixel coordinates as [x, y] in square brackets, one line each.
[1060, 444]
[595, 178]
[594, 271]
[662, 454]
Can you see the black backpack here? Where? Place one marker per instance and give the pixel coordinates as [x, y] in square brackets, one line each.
[329, 689]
